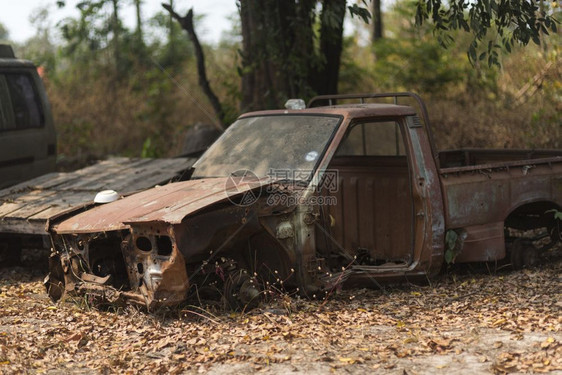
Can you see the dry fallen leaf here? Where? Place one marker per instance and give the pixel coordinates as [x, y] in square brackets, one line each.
[509, 324]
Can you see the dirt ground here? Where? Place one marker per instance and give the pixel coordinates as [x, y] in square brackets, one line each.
[468, 321]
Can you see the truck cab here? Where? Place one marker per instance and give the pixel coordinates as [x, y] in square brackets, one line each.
[27, 133]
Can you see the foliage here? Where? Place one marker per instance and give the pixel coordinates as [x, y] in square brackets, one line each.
[557, 214]
[291, 49]
[137, 105]
[454, 243]
[172, 48]
[361, 11]
[4, 33]
[156, 96]
[40, 48]
[469, 105]
[410, 57]
[495, 23]
[148, 150]
[451, 243]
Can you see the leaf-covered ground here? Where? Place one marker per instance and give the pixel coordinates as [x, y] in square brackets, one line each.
[466, 321]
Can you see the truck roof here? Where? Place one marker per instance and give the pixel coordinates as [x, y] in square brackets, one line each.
[346, 110]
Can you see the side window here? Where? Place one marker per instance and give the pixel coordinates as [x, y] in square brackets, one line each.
[6, 112]
[373, 139]
[23, 102]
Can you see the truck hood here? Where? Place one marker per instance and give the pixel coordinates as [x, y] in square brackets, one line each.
[169, 203]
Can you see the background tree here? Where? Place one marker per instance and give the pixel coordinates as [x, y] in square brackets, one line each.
[40, 47]
[187, 24]
[4, 33]
[99, 28]
[139, 28]
[290, 49]
[260, 64]
[377, 20]
[172, 49]
[502, 24]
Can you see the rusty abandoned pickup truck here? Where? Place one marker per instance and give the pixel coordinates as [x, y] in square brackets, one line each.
[308, 200]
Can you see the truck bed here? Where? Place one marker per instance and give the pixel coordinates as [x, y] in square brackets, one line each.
[26, 207]
[481, 188]
[484, 158]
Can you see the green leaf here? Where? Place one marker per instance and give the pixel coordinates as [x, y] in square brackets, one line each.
[472, 52]
[557, 214]
[362, 12]
[419, 15]
[449, 256]
[451, 239]
[536, 39]
[508, 47]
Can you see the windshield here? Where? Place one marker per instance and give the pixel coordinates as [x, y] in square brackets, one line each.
[280, 146]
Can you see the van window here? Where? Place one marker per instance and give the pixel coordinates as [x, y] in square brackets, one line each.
[21, 108]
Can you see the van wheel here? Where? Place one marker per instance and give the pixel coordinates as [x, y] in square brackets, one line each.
[523, 254]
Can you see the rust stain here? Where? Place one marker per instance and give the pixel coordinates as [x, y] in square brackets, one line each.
[168, 203]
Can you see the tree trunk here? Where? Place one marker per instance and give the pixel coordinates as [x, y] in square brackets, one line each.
[277, 51]
[171, 36]
[138, 31]
[257, 84]
[377, 21]
[116, 42]
[331, 44]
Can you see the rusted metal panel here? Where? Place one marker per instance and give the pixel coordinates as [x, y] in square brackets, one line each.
[471, 159]
[479, 196]
[429, 208]
[483, 243]
[472, 163]
[473, 200]
[373, 209]
[169, 203]
[26, 207]
[348, 111]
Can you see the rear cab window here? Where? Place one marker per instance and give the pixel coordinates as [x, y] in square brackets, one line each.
[380, 138]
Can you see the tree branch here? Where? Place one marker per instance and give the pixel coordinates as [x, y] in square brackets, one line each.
[187, 24]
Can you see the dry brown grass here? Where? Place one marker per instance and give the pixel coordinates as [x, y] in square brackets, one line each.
[96, 115]
[517, 107]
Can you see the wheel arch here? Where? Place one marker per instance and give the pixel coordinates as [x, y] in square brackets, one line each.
[533, 208]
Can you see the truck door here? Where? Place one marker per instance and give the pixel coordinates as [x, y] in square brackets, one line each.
[372, 214]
